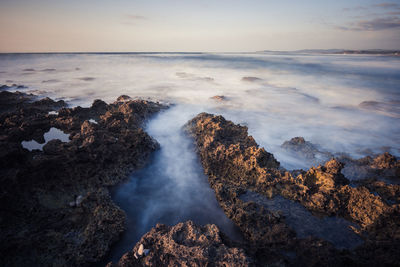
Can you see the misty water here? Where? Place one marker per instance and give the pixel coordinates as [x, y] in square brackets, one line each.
[170, 189]
[341, 103]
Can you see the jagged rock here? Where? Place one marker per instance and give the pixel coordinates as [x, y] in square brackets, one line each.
[40, 225]
[235, 164]
[389, 192]
[324, 178]
[185, 244]
[123, 98]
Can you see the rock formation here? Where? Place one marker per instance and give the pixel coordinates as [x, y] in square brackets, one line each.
[184, 244]
[235, 164]
[55, 206]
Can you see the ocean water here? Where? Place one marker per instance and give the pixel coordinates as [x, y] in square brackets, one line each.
[341, 103]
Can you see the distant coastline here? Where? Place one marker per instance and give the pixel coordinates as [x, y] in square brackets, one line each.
[386, 52]
[341, 52]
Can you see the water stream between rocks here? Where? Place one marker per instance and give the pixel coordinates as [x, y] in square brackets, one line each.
[172, 188]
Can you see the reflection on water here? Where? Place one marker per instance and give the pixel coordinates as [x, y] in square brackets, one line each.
[333, 229]
[53, 133]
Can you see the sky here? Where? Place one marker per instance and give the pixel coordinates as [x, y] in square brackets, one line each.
[197, 26]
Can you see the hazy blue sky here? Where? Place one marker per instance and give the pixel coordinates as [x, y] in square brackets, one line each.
[204, 25]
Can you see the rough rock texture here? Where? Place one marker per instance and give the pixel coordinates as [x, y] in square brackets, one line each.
[235, 164]
[185, 244]
[55, 206]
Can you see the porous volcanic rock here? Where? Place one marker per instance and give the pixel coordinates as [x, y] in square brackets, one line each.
[185, 244]
[235, 164]
[55, 205]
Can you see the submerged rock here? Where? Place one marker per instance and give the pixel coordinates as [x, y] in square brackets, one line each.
[391, 108]
[306, 150]
[250, 79]
[219, 98]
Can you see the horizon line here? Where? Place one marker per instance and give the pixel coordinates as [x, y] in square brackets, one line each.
[197, 52]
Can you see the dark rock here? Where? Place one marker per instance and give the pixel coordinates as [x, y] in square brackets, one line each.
[251, 79]
[219, 98]
[39, 225]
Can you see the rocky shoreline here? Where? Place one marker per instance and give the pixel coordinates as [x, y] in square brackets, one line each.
[235, 165]
[55, 206]
[56, 209]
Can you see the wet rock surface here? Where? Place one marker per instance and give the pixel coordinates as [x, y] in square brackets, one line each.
[55, 205]
[235, 165]
[251, 79]
[306, 150]
[219, 98]
[184, 244]
[390, 108]
[383, 167]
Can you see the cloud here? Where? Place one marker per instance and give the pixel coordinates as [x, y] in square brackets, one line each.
[356, 8]
[135, 17]
[385, 5]
[376, 24]
[388, 5]
[395, 13]
[379, 24]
